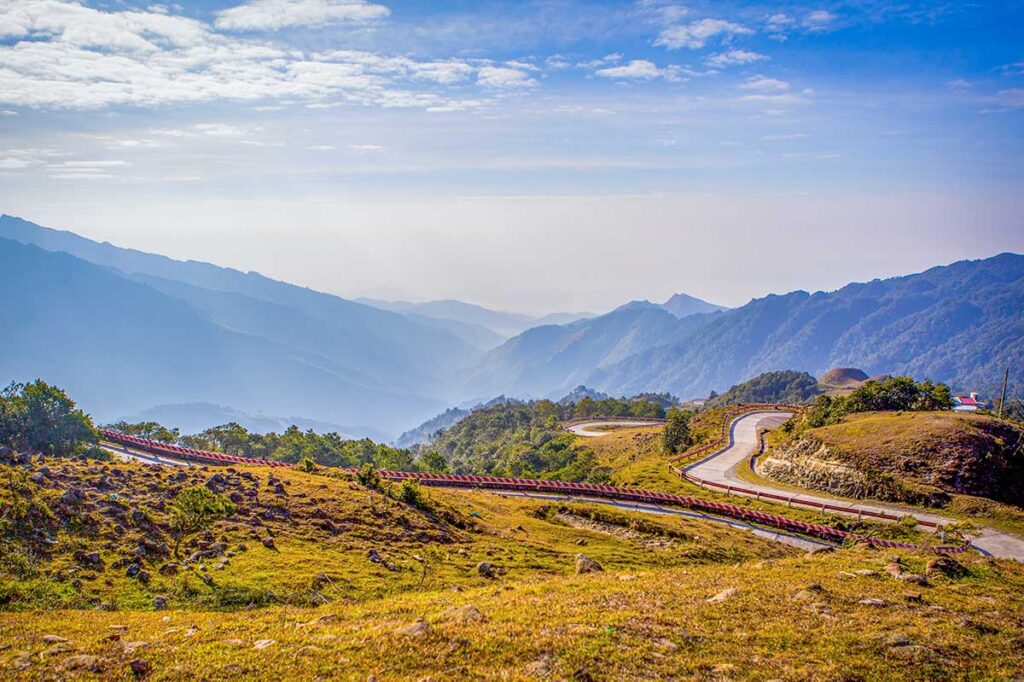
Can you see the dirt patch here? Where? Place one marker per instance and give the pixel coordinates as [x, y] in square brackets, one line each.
[645, 540]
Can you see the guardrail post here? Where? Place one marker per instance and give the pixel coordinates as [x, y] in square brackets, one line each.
[789, 503]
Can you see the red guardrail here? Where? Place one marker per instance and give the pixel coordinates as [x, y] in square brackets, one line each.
[540, 485]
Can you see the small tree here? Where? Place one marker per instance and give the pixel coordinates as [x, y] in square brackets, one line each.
[368, 476]
[42, 418]
[676, 436]
[434, 462]
[194, 509]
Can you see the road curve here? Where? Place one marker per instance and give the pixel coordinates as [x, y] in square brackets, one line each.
[585, 428]
[720, 467]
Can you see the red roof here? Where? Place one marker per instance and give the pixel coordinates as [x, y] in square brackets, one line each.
[966, 400]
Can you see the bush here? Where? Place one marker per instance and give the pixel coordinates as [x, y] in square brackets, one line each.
[306, 464]
[368, 476]
[38, 417]
[412, 494]
[676, 437]
[194, 509]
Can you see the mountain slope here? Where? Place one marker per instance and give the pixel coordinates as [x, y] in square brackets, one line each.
[502, 323]
[120, 345]
[552, 359]
[389, 347]
[961, 324]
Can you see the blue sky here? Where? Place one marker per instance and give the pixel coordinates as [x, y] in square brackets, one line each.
[477, 149]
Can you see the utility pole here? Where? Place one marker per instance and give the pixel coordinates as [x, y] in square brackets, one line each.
[1002, 400]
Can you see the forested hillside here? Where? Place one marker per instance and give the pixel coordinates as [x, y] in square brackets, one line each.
[961, 324]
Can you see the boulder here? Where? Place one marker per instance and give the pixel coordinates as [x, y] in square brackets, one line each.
[486, 569]
[723, 595]
[946, 566]
[141, 667]
[416, 629]
[585, 564]
[93, 664]
[462, 614]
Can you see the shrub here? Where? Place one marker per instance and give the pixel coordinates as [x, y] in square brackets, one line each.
[194, 509]
[368, 476]
[676, 437]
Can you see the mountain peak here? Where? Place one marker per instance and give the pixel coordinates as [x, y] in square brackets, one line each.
[684, 305]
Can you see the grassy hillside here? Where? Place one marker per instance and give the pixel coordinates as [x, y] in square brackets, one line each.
[339, 580]
[914, 456]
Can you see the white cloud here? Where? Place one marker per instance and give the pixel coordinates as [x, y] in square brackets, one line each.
[1013, 98]
[640, 69]
[734, 58]
[697, 34]
[321, 147]
[503, 77]
[271, 15]
[958, 85]
[1015, 69]
[818, 20]
[777, 23]
[366, 148]
[764, 84]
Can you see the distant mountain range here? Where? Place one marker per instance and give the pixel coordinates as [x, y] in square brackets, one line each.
[500, 324]
[132, 333]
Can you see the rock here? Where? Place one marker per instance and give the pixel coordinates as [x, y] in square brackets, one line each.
[261, 644]
[914, 652]
[895, 639]
[169, 569]
[58, 648]
[582, 675]
[538, 669]
[93, 664]
[894, 569]
[585, 564]
[132, 570]
[819, 550]
[805, 595]
[916, 597]
[21, 661]
[723, 595]
[138, 517]
[913, 579]
[141, 667]
[947, 566]
[268, 542]
[131, 647]
[160, 603]
[54, 639]
[374, 556]
[866, 573]
[486, 569]
[417, 629]
[462, 614]
[582, 542]
[872, 602]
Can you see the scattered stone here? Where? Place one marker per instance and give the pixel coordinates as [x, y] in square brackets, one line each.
[93, 664]
[627, 577]
[819, 550]
[234, 643]
[895, 639]
[947, 566]
[582, 542]
[914, 652]
[22, 661]
[417, 629]
[320, 580]
[916, 597]
[54, 639]
[866, 573]
[160, 603]
[169, 569]
[462, 614]
[261, 644]
[894, 569]
[723, 595]
[58, 648]
[872, 602]
[913, 579]
[805, 595]
[582, 675]
[486, 569]
[538, 669]
[141, 667]
[585, 564]
[131, 647]
[268, 542]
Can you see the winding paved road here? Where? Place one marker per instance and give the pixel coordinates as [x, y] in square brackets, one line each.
[720, 467]
[585, 428]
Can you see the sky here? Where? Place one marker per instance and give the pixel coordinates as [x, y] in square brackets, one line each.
[536, 155]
